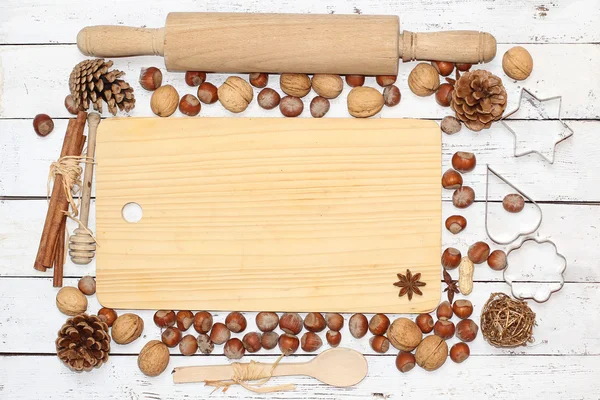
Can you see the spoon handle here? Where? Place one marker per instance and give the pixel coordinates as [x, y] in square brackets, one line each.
[226, 372]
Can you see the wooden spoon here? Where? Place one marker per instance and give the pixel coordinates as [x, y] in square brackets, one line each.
[336, 367]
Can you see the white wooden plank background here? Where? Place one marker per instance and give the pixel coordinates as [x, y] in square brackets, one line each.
[36, 56]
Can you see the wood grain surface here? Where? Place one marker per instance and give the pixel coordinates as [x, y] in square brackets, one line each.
[265, 214]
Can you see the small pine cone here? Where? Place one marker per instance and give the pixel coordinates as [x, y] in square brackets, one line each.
[91, 82]
[479, 98]
[83, 342]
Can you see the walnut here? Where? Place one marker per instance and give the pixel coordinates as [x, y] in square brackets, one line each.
[235, 94]
[423, 80]
[404, 334]
[71, 301]
[327, 85]
[127, 328]
[517, 63]
[364, 101]
[153, 358]
[297, 85]
[431, 353]
[164, 101]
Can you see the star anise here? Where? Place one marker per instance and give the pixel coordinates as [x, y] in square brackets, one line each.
[409, 284]
[451, 286]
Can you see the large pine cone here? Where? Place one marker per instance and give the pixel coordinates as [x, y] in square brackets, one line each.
[91, 82]
[83, 342]
[479, 98]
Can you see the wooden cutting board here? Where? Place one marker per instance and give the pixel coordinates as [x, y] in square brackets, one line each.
[268, 214]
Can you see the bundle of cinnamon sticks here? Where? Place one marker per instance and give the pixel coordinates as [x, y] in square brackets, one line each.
[51, 252]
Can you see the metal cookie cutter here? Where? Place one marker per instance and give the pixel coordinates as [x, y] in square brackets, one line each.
[537, 103]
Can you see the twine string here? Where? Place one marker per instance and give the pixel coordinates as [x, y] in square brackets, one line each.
[506, 322]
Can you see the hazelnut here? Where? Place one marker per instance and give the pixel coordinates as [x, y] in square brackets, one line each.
[444, 329]
[208, 93]
[425, 322]
[189, 105]
[288, 344]
[443, 95]
[203, 321]
[171, 336]
[335, 321]
[164, 318]
[195, 78]
[153, 358]
[235, 94]
[291, 106]
[259, 80]
[219, 333]
[358, 325]
[188, 345]
[310, 342]
[164, 101]
[517, 63]
[404, 334]
[43, 124]
[444, 310]
[459, 352]
[405, 361]
[423, 80]
[391, 96]
[333, 338]
[87, 285]
[478, 252]
[327, 85]
[497, 260]
[204, 344]
[267, 321]
[462, 308]
[234, 349]
[463, 161]
[451, 258]
[236, 322]
[127, 328]
[443, 68]
[70, 301]
[364, 102]
[251, 342]
[268, 99]
[456, 224]
[70, 105]
[314, 322]
[450, 125]
[463, 67]
[107, 315]
[185, 319]
[355, 80]
[463, 197]
[379, 324]
[379, 343]
[385, 80]
[295, 85]
[150, 78]
[291, 323]
[452, 179]
[513, 203]
[269, 340]
[466, 330]
[431, 353]
[319, 106]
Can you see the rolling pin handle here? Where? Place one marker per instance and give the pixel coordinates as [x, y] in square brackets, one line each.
[471, 47]
[121, 41]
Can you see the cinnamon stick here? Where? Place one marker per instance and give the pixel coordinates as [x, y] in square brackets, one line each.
[72, 146]
[59, 262]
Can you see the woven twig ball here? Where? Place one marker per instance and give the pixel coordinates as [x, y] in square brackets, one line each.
[507, 322]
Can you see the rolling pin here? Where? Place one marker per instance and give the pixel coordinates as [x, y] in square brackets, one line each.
[293, 43]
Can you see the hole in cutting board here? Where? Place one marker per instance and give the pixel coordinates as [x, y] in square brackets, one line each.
[132, 212]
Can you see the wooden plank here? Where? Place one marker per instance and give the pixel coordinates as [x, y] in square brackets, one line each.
[21, 77]
[574, 304]
[536, 22]
[302, 215]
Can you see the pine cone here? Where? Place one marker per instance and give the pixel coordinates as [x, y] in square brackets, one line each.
[83, 342]
[479, 98]
[91, 82]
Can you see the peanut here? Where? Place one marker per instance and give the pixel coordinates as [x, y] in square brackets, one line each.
[465, 276]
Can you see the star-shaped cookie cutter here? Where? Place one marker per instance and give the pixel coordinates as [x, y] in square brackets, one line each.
[533, 98]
